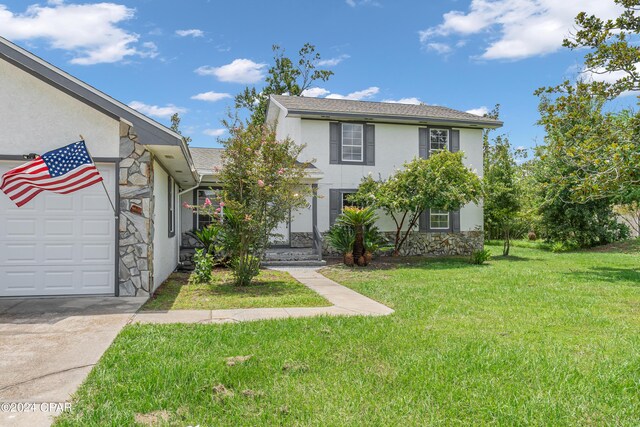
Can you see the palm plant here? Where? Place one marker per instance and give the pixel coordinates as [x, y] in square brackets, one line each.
[358, 219]
[341, 239]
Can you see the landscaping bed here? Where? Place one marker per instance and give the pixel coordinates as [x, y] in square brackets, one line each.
[270, 289]
[537, 338]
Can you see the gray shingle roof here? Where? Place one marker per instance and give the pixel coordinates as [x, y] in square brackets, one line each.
[205, 159]
[368, 109]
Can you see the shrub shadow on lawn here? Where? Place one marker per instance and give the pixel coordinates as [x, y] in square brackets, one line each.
[609, 274]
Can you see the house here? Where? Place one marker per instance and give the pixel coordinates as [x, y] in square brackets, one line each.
[76, 244]
[346, 140]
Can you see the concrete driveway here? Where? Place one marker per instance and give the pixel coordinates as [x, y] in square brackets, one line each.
[47, 348]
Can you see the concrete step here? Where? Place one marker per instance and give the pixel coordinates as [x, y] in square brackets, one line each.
[291, 254]
[299, 263]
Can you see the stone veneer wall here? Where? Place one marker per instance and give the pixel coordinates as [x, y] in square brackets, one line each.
[301, 240]
[136, 229]
[436, 244]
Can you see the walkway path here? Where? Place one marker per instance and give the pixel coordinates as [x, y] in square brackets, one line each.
[346, 302]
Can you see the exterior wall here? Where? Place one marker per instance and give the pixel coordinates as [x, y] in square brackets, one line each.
[60, 118]
[136, 228]
[165, 249]
[395, 144]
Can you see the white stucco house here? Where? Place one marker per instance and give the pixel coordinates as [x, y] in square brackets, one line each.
[77, 245]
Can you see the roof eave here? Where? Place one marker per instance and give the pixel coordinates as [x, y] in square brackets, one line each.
[421, 120]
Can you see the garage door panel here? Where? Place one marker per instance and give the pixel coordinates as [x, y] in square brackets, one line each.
[58, 244]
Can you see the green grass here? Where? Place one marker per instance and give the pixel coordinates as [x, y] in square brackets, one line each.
[534, 339]
[269, 289]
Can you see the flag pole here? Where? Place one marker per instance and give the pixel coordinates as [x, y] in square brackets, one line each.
[102, 180]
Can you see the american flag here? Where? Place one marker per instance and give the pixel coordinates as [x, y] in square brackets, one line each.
[62, 171]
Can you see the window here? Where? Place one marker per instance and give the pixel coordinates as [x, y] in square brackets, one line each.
[352, 142]
[209, 193]
[438, 139]
[345, 200]
[171, 217]
[439, 220]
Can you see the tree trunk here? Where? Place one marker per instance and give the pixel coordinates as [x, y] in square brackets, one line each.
[507, 243]
[358, 244]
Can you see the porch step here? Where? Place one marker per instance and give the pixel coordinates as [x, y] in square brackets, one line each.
[292, 257]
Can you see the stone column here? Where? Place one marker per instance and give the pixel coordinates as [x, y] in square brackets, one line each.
[136, 217]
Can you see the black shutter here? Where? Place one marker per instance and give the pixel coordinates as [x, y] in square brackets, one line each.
[424, 221]
[455, 221]
[370, 144]
[335, 202]
[455, 140]
[423, 143]
[335, 137]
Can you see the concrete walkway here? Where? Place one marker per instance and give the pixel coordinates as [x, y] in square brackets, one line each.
[346, 302]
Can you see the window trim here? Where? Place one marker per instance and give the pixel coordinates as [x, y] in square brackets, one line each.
[171, 207]
[362, 143]
[448, 146]
[441, 213]
[196, 212]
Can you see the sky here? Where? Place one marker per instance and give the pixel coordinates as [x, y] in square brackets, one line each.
[192, 57]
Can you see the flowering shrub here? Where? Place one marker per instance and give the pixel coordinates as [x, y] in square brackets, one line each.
[260, 186]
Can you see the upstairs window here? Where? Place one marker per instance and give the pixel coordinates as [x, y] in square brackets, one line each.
[352, 142]
[438, 139]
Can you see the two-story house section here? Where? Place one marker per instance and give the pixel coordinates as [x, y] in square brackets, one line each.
[347, 140]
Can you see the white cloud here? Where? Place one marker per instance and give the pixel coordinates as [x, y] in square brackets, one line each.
[413, 100]
[315, 92]
[354, 3]
[238, 71]
[518, 28]
[89, 31]
[332, 62]
[194, 32]
[214, 132]
[211, 96]
[155, 110]
[439, 48]
[357, 95]
[480, 111]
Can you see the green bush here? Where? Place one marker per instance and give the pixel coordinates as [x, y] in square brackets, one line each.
[204, 263]
[341, 238]
[481, 256]
[568, 245]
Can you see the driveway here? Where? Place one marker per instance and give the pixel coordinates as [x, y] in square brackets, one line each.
[47, 348]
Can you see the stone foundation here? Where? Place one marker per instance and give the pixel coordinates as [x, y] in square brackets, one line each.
[432, 244]
[301, 240]
[136, 218]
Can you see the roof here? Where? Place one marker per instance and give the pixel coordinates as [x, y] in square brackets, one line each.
[378, 110]
[205, 159]
[148, 130]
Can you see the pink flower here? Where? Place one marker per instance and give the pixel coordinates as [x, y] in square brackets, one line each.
[186, 205]
[281, 171]
[207, 202]
[222, 204]
[260, 183]
[217, 209]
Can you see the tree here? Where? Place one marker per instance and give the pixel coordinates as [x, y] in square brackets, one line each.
[501, 194]
[582, 142]
[261, 184]
[439, 182]
[175, 126]
[284, 77]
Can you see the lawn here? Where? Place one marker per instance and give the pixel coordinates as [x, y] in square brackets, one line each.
[270, 289]
[534, 339]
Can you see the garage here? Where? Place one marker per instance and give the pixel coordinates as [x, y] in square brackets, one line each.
[59, 244]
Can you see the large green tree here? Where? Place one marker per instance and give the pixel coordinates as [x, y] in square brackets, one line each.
[286, 76]
[440, 182]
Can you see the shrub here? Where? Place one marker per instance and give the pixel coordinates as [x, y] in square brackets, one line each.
[208, 236]
[568, 245]
[481, 256]
[204, 263]
[532, 236]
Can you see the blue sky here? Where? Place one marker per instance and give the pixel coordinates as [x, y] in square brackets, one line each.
[161, 56]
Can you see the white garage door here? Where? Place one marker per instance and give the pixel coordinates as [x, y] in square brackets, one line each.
[58, 244]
